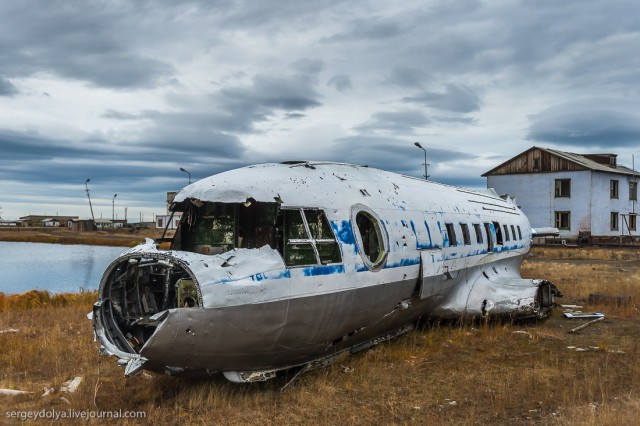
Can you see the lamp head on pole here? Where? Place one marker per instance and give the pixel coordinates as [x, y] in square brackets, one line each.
[418, 145]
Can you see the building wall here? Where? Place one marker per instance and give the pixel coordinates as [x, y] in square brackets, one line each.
[601, 217]
[535, 194]
[590, 203]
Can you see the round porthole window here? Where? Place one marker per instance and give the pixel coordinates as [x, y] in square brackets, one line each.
[371, 236]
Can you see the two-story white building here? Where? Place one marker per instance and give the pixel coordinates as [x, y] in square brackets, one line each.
[580, 194]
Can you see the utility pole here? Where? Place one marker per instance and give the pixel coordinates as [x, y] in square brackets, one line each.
[89, 197]
[113, 209]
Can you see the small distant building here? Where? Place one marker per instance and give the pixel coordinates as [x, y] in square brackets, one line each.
[38, 220]
[119, 223]
[583, 195]
[104, 223]
[51, 222]
[81, 225]
[162, 220]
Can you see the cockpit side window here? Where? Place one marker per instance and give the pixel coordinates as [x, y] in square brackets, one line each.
[308, 238]
[214, 228]
[211, 228]
[321, 233]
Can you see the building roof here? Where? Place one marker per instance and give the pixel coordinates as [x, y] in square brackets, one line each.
[585, 161]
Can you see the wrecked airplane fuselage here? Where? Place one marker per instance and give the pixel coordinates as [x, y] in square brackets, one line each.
[282, 265]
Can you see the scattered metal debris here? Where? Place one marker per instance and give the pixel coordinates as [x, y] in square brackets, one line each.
[581, 315]
[47, 391]
[70, 386]
[580, 327]
[13, 392]
[9, 330]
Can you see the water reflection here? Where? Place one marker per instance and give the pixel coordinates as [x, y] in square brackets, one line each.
[54, 267]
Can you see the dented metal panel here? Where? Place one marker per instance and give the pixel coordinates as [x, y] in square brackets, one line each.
[432, 262]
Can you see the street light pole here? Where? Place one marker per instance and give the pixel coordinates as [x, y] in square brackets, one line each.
[187, 172]
[113, 209]
[426, 173]
[89, 197]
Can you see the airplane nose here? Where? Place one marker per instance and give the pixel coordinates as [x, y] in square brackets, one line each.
[136, 293]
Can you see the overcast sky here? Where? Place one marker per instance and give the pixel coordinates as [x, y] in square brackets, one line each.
[127, 92]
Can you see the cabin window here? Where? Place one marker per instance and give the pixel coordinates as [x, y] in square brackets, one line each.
[633, 191]
[309, 239]
[614, 221]
[506, 233]
[451, 234]
[465, 234]
[563, 188]
[519, 232]
[371, 237]
[487, 229]
[614, 189]
[476, 227]
[499, 239]
[513, 233]
[563, 220]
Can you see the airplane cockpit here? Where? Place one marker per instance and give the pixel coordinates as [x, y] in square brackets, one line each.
[303, 236]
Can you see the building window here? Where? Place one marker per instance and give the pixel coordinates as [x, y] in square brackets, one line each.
[614, 221]
[563, 220]
[633, 191]
[632, 221]
[536, 164]
[160, 223]
[476, 227]
[451, 233]
[563, 188]
[614, 189]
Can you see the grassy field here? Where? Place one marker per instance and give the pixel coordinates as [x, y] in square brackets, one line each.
[533, 373]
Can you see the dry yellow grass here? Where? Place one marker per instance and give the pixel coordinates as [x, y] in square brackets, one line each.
[127, 237]
[461, 374]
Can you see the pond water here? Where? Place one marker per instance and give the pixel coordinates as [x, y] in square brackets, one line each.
[57, 268]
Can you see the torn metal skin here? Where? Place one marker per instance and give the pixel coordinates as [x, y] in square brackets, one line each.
[286, 265]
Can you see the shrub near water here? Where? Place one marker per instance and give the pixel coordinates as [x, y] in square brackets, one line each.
[34, 299]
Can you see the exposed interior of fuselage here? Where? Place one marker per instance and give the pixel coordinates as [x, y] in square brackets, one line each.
[144, 285]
